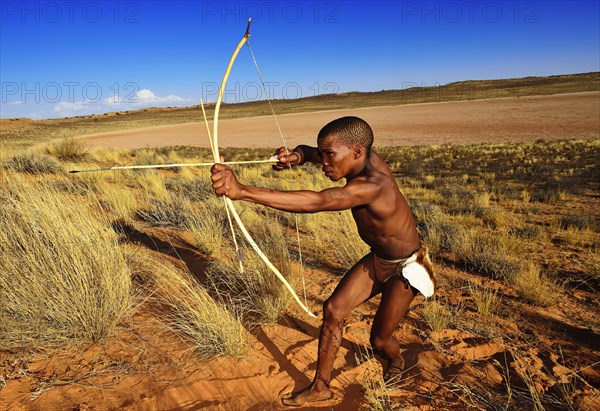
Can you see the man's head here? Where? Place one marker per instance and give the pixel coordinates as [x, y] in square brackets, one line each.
[344, 145]
[350, 131]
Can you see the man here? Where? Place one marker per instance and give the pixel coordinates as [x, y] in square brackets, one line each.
[397, 262]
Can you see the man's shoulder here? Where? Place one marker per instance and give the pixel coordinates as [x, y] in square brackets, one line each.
[382, 178]
[377, 184]
[374, 177]
[379, 164]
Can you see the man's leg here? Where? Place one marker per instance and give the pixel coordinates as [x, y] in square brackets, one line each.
[357, 286]
[395, 300]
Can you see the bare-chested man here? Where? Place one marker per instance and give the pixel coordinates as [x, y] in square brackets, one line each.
[397, 262]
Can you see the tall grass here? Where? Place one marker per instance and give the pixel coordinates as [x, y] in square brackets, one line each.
[62, 273]
[334, 236]
[374, 386]
[32, 163]
[440, 316]
[256, 290]
[186, 308]
[349, 247]
[207, 225]
[473, 205]
[67, 149]
[193, 188]
[536, 287]
[118, 201]
[492, 254]
[168, 211]
[486, 300]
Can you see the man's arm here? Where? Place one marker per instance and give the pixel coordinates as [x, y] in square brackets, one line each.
[354, 194]
[309, 154]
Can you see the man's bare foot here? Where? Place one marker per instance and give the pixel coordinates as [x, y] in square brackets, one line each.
[394, 370]
[306, 396]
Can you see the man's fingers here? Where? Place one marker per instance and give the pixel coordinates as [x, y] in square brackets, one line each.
[220, 191]
[279, 167]
[220, 177]
[217, 168]
[280, 151]
[216, 175]
[286, 159]
[217, 182]
[282, 155]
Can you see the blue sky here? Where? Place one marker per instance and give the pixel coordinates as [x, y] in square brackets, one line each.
[64, 58]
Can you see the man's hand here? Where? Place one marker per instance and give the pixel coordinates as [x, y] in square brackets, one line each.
[286, 159]
[224, 182]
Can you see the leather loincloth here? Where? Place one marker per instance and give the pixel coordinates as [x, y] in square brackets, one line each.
[415, 270]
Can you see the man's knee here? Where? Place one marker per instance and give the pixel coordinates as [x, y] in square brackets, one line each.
[333, 311]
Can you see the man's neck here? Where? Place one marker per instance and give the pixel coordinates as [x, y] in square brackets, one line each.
[361, 170]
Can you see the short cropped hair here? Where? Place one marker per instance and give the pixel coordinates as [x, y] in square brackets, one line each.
[349, 130]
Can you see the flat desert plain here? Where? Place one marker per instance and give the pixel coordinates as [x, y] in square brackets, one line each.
[554, 117]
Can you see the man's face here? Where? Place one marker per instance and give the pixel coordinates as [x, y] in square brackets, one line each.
[336, 157]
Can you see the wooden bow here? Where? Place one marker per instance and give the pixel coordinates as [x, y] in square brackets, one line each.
[228, 203]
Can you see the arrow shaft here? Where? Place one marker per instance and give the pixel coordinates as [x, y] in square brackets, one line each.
[173, 165]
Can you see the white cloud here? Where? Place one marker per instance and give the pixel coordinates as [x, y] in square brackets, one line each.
[144, 97]
[69, 108]
[146, 94]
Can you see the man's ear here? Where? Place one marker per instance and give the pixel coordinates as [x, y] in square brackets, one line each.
[359, 151]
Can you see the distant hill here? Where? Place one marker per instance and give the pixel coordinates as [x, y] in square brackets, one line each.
[25, 131]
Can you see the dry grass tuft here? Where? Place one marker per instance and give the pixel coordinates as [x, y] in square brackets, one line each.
[120, 202]
[62, 273]
[376, 390]
[374, 387]
[70, 149]
[578, 222]
[169, 211]
[188, 310]
[334, 236]
[488, 253]
[535, 287]
[257, 290]
[207, 225]
[349, 248]
[441, 316]
[33, 163]
[193, 188]
[486, 300]
[151, 184]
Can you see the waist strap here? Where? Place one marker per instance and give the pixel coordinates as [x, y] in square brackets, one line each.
[402, 261]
